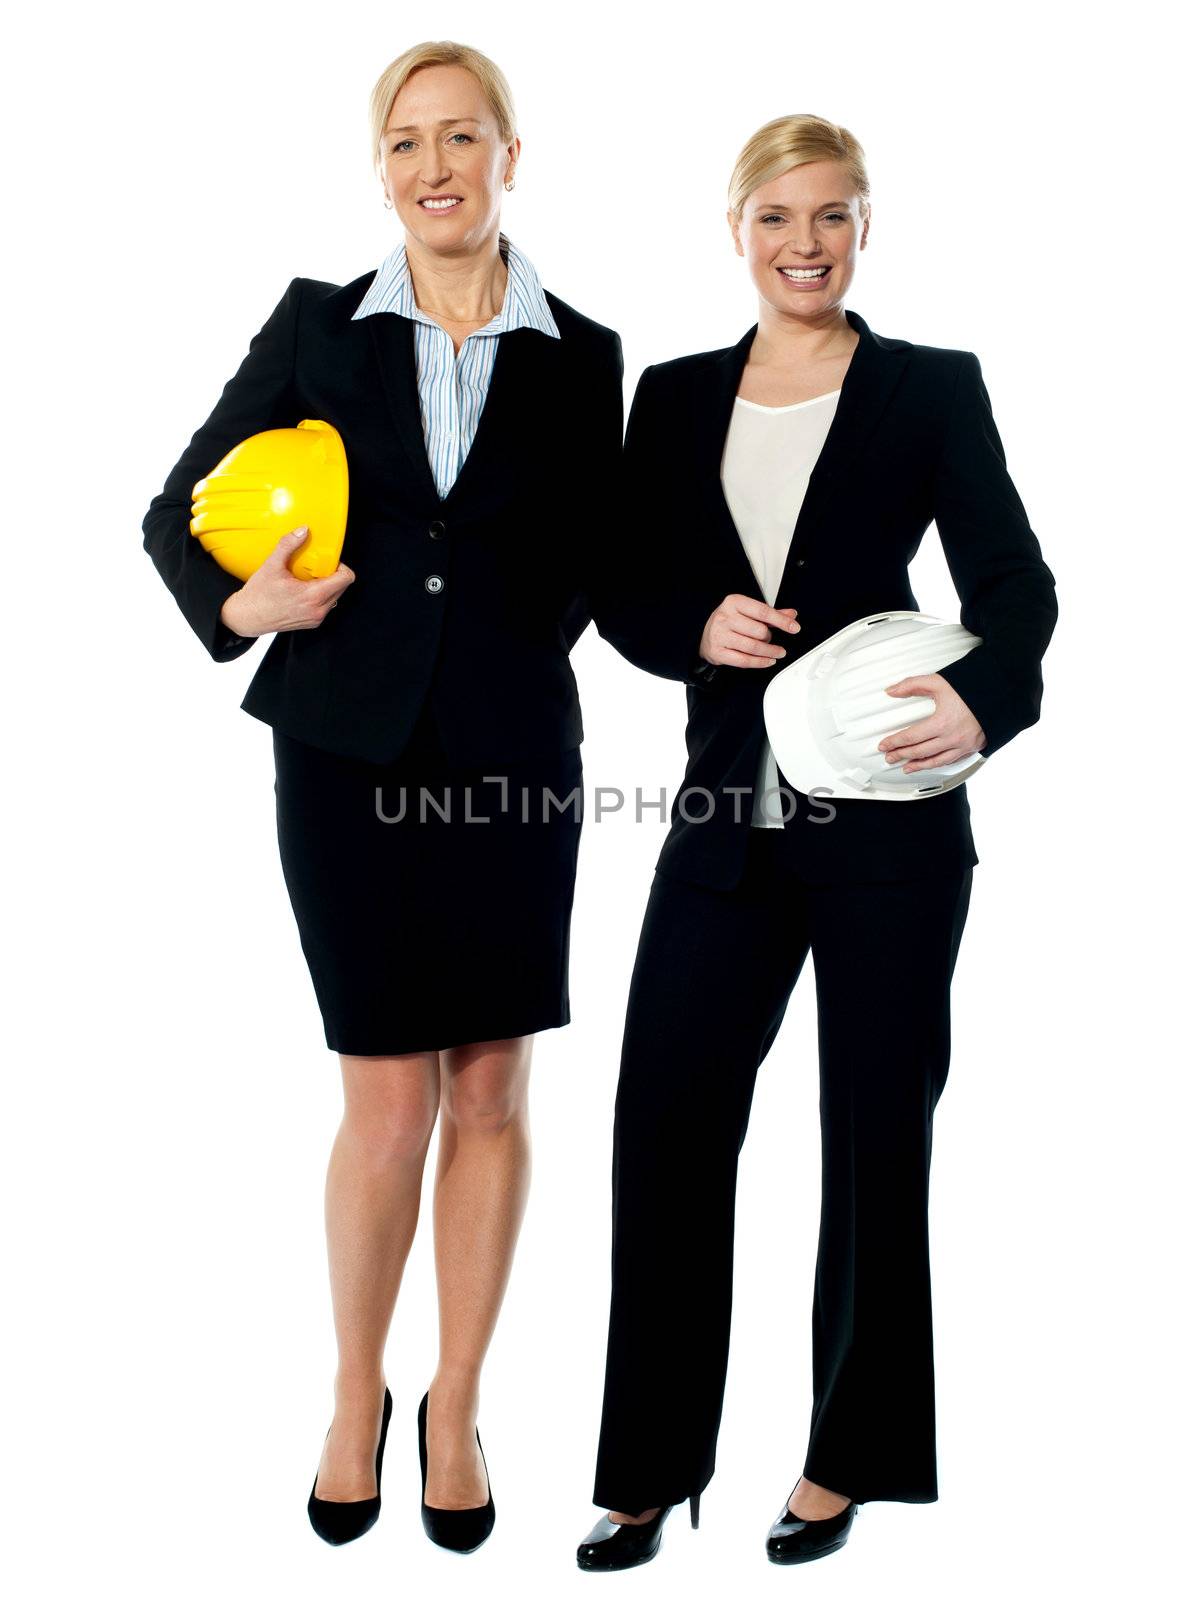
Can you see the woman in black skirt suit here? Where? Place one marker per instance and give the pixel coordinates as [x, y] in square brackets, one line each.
[788, 481]
[483, 421]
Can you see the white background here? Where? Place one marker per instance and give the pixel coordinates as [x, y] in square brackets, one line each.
[170, 1100]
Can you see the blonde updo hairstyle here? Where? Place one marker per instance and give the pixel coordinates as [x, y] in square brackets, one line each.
[439, 53]
[788, 142]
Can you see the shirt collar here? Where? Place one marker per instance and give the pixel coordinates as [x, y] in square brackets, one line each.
[524, 306]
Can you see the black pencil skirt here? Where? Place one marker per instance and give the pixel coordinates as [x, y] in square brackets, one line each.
[433, 903]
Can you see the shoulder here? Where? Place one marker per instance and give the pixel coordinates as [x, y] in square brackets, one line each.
[943, 365]
[685, 369]
[312, 302]
[317, 298]
[581, 333]
[935, 377]
[939, 364]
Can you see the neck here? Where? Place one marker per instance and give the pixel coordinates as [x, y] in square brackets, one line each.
[794, 341]
[468, 287]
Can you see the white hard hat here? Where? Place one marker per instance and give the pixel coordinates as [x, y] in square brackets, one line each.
[826, 713]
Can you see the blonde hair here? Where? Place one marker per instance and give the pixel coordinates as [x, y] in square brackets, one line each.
[788, 142]
[439, 53]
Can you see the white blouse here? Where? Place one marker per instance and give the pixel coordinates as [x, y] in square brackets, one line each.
[768, 459]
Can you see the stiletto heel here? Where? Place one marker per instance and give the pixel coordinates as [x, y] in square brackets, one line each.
[340, 1521]
[460, 1530]
[612, 1546]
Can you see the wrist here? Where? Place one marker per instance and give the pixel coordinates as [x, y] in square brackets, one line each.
[232, 618]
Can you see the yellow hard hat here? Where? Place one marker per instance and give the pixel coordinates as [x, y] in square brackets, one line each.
[268, 485]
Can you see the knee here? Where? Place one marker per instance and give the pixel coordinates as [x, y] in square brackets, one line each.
[393, 1128]
[485, 1103]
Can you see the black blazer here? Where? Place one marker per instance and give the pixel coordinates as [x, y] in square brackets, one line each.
[912, 439]
[525, 543]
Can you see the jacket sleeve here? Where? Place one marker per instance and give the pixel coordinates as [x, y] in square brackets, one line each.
[1006, 589]
[257, 397]
[636, 574]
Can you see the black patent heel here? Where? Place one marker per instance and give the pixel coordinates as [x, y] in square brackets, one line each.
[340, 1521]
[793, 1539]
[460, 1530]
[613, 1546]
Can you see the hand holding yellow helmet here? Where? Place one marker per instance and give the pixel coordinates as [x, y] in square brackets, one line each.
[268, 485]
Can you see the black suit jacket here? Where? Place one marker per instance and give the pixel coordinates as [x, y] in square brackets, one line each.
[525, 543]
[912, 439]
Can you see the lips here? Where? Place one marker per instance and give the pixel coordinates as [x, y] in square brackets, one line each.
[813, 276]
[440, 202]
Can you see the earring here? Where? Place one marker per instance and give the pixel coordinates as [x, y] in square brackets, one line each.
[509, 183]
[388, 203]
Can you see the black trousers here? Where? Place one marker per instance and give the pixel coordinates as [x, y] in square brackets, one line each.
[713, 973]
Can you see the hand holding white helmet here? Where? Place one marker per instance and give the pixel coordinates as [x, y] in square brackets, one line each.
[828, 711]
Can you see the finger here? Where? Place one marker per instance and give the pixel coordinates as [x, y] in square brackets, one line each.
[288, 545]
[746, 606]
[915, 733]
[323, 589]
[944, 759]
[746, 628]
[741, 658]
[920, 747]
[926, 683]
[739, 642]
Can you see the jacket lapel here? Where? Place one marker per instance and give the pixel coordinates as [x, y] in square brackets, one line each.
[485, 463]
[393, 338]
[876, 366]
[489, 466]
[716, 400]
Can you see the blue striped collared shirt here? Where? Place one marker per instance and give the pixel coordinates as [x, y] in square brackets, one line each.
[451, 387]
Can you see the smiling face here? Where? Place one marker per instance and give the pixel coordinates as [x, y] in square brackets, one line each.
[443, 161]
[800, 234]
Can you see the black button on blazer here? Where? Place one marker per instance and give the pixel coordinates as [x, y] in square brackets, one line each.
[912, 439]
[474, 600]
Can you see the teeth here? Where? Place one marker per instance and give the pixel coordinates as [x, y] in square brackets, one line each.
[440, 205]
[804, 272]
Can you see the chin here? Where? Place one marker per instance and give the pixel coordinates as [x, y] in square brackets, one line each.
[804, 305]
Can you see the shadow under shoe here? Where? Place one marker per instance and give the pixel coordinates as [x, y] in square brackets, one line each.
[612, 1546]
[462, 1530]
[340, 1521]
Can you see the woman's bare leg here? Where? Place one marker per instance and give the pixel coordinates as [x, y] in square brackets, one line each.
[373, 1189]
[481, 1185]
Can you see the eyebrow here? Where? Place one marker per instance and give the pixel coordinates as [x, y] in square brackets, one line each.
[826, 206]
[444, 122]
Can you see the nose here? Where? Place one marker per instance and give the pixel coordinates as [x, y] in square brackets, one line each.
[434, 167]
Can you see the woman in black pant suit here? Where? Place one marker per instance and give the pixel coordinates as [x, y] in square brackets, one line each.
[875, 437]
[435, 658]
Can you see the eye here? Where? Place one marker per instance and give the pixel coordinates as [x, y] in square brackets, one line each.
[835, 216]
[774, 216]
[401, 142]
[467, 136]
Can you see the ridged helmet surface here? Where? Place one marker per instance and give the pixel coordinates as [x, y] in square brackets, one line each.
[826, 713]
[266, 486]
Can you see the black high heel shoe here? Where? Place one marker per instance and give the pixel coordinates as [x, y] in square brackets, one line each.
[611, 1546]
[462, 1530]
[793, 1539]
[340, 1521]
